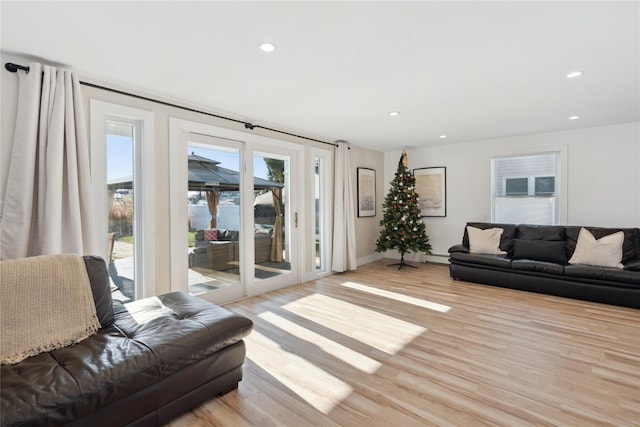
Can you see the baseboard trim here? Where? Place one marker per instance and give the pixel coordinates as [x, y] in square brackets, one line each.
[369, 258]
[436, 258]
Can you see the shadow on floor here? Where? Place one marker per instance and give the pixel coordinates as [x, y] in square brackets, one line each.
[124, 284]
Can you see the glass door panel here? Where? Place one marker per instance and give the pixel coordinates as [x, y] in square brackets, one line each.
[271, 214]
[317, 215]
[320, 208]
[121, 228]
[214, 228]
[275, 218]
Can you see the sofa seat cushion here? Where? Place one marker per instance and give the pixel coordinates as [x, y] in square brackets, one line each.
[609, 274]
[537, 266]
[180, 329]
[501, 261]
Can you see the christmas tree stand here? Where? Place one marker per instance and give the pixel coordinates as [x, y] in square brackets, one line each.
[401, 263]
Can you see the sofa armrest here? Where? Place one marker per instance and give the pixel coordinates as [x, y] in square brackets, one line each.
[459, 248]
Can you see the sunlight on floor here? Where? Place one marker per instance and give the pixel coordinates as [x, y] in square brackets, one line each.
[347, 355]
[398, 297]
[316, 386]
[368, 332]
[370, 327]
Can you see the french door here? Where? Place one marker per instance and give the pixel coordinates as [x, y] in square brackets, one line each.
[234, 209]
[276, 217]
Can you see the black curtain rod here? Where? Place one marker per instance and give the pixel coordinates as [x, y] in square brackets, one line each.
[11, 67]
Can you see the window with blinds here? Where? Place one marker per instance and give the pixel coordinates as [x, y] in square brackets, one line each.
[524, 189]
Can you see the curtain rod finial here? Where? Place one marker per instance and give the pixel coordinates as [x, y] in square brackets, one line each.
[13, 68]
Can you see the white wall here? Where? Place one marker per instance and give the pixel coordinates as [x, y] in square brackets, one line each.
[603, 177]
[368, 228]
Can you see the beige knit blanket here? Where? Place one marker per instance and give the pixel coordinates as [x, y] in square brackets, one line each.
[45, 303]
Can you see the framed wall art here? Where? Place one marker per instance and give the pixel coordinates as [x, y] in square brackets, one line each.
[431, 186]
[366, 192]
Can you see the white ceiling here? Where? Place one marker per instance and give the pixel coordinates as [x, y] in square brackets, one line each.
[470, 70]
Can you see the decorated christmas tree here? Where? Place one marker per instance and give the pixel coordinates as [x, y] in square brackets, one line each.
[402, 226]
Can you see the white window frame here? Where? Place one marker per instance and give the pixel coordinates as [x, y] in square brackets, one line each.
[561, 174]
[144, 186]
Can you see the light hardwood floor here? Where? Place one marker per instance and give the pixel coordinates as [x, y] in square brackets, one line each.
[379, 347]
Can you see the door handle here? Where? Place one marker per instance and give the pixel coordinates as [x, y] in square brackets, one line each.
[295, 220]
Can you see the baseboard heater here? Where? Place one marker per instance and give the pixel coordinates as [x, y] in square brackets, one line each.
[437, 258]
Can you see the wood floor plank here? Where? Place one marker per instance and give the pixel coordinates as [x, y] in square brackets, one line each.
[382, 347]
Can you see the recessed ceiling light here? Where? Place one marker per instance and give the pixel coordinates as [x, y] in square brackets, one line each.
[443, 136]
[394, 113]
[574, 117]
[267, 47]
[574, 74]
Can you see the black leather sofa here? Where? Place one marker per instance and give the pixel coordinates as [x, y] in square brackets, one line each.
[531, 270]
[149, 362]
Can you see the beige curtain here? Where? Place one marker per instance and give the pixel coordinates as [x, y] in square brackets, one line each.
[48, 201]
[344, 235]
[276, 239]
[213, 199]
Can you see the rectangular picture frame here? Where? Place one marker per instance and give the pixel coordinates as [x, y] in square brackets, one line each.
[431, 186]
[366, 192]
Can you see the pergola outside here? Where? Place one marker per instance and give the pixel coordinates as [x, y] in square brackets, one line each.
[206, 175]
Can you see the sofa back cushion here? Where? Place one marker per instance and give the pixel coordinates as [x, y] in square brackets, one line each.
[506, 240]
[540, 250]
[100, 288]
[630, 244]
[540, 232]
